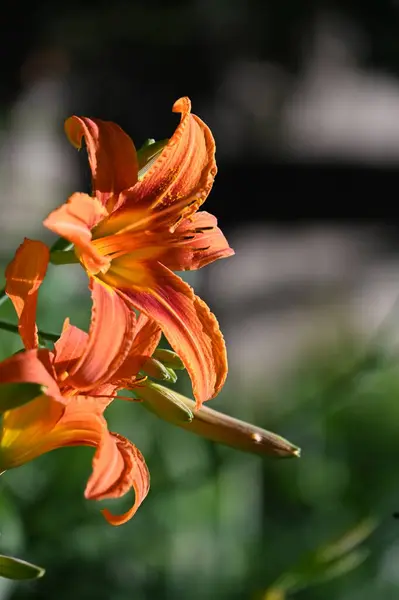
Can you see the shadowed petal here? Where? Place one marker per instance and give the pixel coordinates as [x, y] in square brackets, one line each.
[196, 242]
[146, 339]
[74, 222]
[188, 324]
[24, 276]
[111, 152]
[109, 341]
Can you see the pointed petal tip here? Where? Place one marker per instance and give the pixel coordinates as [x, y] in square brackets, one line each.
[73, 131]
[117, 520]
[182, 105]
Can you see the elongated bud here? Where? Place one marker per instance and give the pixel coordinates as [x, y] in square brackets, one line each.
[154, 368]
[165, 403]
[169, 358]
[173, 376]
[226, 430]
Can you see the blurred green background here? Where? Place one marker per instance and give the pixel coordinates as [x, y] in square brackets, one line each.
[302, 100]
[217, 523]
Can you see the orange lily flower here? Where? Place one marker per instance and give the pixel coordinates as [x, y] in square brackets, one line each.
[82, 375]
[137, 228]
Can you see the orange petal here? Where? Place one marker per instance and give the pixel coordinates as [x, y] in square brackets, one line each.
[111, 152]
[196, 242]
[147, 336]
[185, 169]
[69, 348]
[31, 366]
[146, 339]
[74, 222]
[24, 276]
[109, 341]
[188, 324]
[118, 466]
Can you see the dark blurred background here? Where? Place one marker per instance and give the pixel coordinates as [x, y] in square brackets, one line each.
[303, 100]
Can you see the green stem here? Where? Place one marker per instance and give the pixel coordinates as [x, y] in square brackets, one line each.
[3, 297]
[52, 337]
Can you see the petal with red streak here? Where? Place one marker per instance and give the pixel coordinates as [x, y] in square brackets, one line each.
[74, 222]
[188, 324]
[196, 242]
[118, 466]
[185, 170]
[24, 275]
[109, 341]
[111, 152]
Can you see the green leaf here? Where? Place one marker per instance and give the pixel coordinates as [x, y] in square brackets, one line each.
[148, 154]
[63, 257]
[15, 568]
[61, 245]
[13, 395]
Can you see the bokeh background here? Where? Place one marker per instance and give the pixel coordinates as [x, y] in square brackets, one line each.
[303, 100]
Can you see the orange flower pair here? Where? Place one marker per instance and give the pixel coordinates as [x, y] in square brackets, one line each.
[138, 227]
[81, 376]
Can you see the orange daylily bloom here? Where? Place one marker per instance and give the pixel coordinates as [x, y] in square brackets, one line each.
[136, 229]
[82, 375]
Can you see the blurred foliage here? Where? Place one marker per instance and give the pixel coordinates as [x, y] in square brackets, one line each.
[219, 523]
[325, 563]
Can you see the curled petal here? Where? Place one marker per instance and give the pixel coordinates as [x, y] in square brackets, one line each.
[185, 170]
[24, 276]
[130, 471]
[74, 222]
[111, 152]
[188, 324]
[109, 341]
[196, 242]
